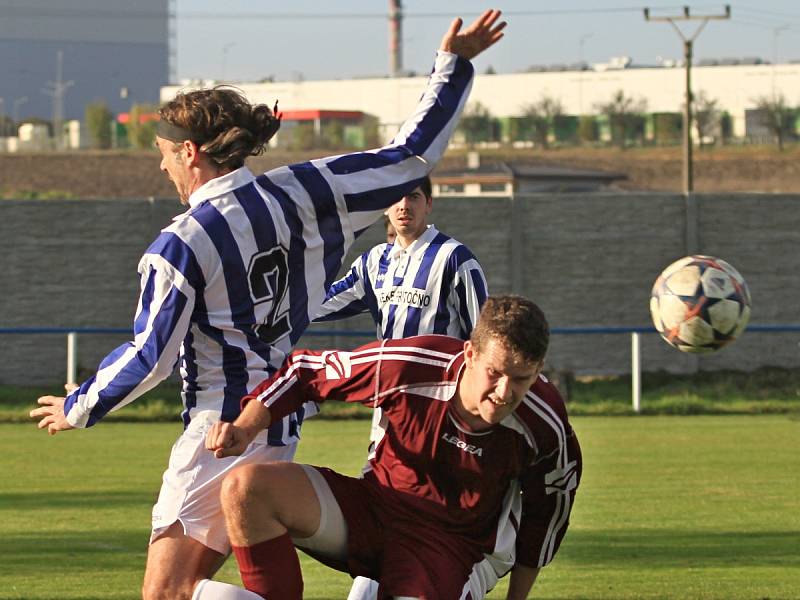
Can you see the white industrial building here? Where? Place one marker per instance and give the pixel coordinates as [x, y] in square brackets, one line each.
[55, 57]
[736, 87]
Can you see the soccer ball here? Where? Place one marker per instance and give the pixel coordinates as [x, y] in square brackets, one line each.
[700, 304]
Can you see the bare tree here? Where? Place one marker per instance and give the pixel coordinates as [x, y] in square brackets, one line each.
[624, 116]
[778, 117]
[541, 117]
[706, 116]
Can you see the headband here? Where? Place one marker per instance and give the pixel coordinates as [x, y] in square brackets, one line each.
[173, 133]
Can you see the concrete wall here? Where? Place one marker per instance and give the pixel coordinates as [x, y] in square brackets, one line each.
[588, 260]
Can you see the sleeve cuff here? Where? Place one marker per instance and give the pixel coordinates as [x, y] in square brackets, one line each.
[73, 413]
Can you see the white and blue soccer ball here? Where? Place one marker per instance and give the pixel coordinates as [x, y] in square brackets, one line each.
[700, 304]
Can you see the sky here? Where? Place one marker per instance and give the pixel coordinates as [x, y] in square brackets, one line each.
[342, 39]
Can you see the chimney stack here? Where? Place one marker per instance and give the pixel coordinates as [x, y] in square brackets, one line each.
[396, 37]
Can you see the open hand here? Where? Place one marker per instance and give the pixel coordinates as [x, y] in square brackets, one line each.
[482, 33]
[51, 414]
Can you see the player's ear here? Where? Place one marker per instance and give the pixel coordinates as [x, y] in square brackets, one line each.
[469, 353]
[191, 152]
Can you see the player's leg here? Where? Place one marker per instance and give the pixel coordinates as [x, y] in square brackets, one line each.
[189, 542]
[265, 507]
[176, 563]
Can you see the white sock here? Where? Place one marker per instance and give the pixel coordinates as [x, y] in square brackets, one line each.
[216, 590]
[363, 589]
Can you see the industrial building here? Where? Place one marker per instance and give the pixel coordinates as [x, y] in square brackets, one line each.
[735, 85]
[55, 57]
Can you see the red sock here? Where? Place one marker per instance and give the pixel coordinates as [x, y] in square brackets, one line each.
[271, 569]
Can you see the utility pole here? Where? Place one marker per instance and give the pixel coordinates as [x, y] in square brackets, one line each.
[688, 43]
[395, 38]
[57, 90]
[15, 109]
[581, 66]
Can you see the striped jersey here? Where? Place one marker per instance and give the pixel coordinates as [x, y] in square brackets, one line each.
[228, 288]
[435, 285]
[507, 490]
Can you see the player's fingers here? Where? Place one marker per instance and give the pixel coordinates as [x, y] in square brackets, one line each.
[45, 400]
[225, 439]
[216, 436]
[225, 452]
[496, 35]
[45, 422]
[455, 27]
[486, 20]
[39, 412]
[211, 436]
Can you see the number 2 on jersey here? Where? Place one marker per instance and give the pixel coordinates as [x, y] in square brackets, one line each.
[268, 278]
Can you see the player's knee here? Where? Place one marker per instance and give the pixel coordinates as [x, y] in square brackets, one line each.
[245, 487]
[238, 487]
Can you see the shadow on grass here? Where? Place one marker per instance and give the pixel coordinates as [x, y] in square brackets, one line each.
[656, 549]
[25, 501]
[89, 551]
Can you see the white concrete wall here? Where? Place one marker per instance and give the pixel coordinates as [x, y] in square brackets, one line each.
[735, 87]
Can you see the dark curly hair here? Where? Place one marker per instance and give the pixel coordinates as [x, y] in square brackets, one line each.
[517, 323]
[223, 124]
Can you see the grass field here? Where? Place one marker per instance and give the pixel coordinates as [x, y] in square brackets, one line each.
[701, 507]
[769, 390]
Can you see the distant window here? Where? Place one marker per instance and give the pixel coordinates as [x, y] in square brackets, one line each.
[451, 188]
[492, 187]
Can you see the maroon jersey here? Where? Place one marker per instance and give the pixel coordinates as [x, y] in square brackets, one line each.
[510, 485]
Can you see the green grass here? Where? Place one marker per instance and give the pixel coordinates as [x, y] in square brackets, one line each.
[764, 391]
[669, 508]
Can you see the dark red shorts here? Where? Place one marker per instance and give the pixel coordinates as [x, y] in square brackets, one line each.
[409, 557]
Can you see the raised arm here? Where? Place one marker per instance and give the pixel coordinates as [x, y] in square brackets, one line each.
[366, 183]
[484, 32]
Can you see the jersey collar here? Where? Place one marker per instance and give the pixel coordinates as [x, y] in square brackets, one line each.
[219, 186]
[426, 238]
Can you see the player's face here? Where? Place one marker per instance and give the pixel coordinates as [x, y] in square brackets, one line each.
[409, 216]
[495, 381]
[172, 163]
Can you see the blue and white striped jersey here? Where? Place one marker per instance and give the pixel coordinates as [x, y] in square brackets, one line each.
[435, 285]
[228, 288]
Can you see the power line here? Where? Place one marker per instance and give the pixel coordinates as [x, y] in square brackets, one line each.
[23, 11]
[765, 25]
[688, 44]
[773, 13]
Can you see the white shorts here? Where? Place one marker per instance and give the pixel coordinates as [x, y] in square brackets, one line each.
[191, 484]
